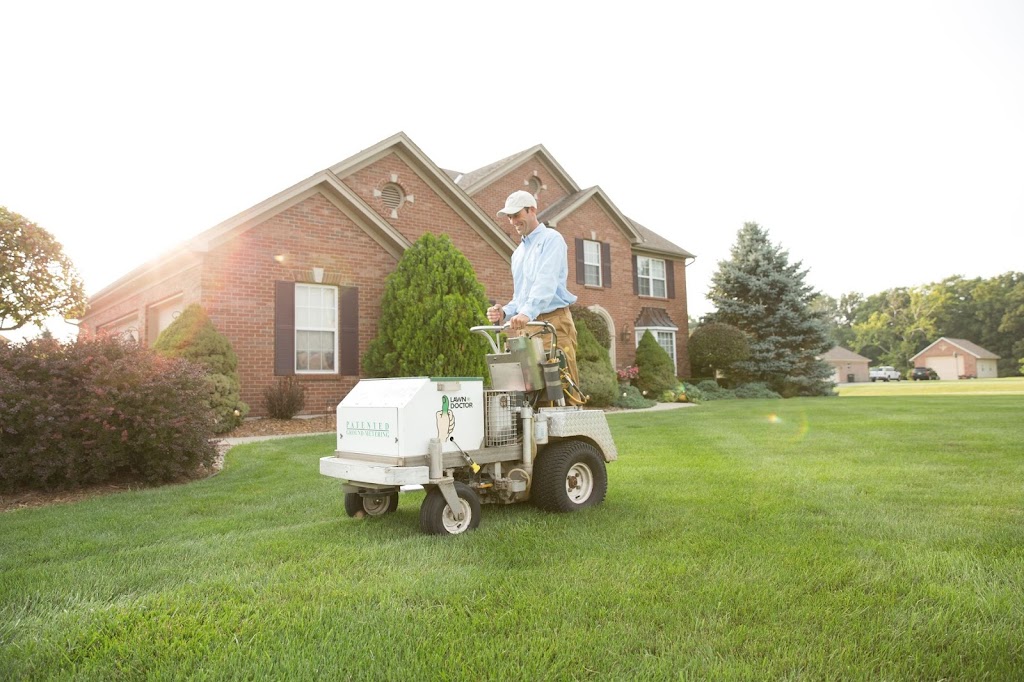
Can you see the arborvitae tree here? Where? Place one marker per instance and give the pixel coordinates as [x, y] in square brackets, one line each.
[192, 336]
[595, 323]
[716, 346]
[430, 302]
[597, 376]
[655, 371]
[760, 292]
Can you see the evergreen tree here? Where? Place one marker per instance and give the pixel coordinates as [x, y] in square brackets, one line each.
[760, 292]
[595, 323]
[597, 376]
[192, 336]
[430, 302]
[655, 371]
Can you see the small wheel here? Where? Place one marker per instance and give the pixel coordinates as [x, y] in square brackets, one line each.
[437, 518]
[569, 475]
[375, 504]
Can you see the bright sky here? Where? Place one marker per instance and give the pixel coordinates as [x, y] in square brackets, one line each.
[880, 142]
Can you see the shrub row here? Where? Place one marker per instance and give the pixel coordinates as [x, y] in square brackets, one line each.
[99, 410]
[708, 389]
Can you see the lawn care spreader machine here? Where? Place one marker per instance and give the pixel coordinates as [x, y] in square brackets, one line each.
[515, 442]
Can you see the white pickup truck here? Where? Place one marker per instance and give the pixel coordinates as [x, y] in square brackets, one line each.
[884, 373]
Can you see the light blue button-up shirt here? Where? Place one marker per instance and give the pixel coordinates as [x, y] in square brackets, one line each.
[540, 268]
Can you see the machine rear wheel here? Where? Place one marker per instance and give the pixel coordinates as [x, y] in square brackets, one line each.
[569, 475]
[437, 518]
[377, 504]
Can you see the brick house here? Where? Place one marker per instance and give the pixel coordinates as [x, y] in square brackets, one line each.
[958, 359]
[296, 281]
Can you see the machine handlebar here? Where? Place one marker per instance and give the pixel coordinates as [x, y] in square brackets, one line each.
[491, 332]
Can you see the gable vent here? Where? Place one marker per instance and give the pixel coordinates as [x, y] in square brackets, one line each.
[392, 196]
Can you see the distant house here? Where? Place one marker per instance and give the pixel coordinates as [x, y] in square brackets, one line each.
[958, 359]
[847, 366]
[295, 282]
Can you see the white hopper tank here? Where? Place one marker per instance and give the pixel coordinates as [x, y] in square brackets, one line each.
[398, 417]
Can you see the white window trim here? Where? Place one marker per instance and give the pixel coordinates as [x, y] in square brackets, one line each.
[588, 264]
[335, 330]
[654, 332]
[650, 279]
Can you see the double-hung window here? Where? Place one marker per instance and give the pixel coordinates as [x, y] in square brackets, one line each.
[316, 328]
[592, 263]
[651, 280]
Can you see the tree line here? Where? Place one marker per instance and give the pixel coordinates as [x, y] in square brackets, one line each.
[892, 326]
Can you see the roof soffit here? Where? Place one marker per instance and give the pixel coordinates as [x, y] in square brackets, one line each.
[438, 180]
[479, 179]
[571, 203]
[328, 183]
[968, 347]
[324, 183]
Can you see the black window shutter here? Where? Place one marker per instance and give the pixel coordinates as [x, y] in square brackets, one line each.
[670, 279]
[636, 281]
[581, 275]
[284, 328]
[348, 341]
[606, 265]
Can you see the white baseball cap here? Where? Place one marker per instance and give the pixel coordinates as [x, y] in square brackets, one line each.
[517, 201]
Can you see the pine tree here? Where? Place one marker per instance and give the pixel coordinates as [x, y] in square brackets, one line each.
[192, 336]
[430, 302]
[759, 291]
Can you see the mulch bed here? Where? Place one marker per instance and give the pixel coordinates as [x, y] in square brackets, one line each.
[283, 427]
[249, 428]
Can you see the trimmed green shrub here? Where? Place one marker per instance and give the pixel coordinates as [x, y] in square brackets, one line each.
[755, 390]
[430, 302]
[715, 346]
[597, 324]
[597, 376]
[693, 394]
[99, 410]
[629, 398]
[710, 390]
[192, 336]
[655, 371]
[285, 399]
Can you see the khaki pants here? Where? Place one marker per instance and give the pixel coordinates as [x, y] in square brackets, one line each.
[565, 329]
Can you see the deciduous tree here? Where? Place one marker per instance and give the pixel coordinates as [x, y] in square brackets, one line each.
[716, 346]
[37, 280]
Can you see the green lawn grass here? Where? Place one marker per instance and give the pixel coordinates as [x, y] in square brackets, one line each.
[879, 538]
[1003, 386]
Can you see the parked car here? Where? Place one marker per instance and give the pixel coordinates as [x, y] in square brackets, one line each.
[887, 373]
[923, 374]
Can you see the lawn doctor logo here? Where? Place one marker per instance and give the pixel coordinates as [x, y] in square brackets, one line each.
[369, 429]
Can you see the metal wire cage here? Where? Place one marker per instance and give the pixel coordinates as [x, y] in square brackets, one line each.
[501, 426]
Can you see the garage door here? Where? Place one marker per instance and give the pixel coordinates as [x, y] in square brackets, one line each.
[945, 366]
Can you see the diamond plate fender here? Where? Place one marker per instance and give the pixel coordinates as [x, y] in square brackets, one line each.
[591, 424]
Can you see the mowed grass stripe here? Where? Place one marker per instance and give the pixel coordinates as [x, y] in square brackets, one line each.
[824, 539]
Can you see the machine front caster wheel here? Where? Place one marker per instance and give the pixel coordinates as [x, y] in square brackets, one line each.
[437, 518]
[375, 504]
